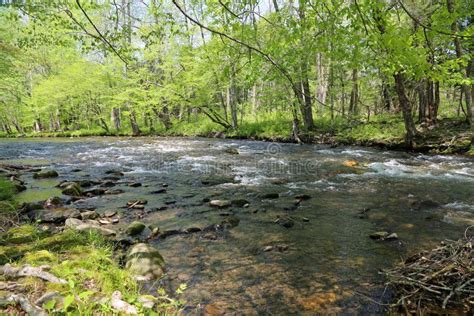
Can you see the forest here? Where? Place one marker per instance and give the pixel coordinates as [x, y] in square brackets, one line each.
[251, 157]
[266, 69]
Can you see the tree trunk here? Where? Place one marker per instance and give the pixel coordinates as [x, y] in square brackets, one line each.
[134, 124]
[406, 109]
[322, 80]
[422, 102]
[467, 90]
[354, 93]
[115, 118]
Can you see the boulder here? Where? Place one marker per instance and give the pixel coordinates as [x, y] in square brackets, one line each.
[73, 189]
[145, 262]
[230, 222]
[43, 174]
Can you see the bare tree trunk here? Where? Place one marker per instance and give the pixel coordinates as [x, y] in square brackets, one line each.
[354, 93]
[322, 80]
[134, 124]
[115, 118]
[406, 108]
[422, 102]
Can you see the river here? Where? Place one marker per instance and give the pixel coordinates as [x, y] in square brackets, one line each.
[324, 262]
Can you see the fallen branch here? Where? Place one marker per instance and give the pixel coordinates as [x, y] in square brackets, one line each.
[27, 271]
[26, 305]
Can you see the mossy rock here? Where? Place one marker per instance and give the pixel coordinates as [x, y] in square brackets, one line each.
[135, 228]
[44, 174]
[145, 262]
[73, 189]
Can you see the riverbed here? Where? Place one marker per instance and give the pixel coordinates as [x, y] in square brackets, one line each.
[334, 199]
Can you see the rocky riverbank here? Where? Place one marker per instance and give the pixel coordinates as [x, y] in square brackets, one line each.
[56, 258]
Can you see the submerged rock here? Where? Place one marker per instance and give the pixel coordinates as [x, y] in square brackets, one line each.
[383, 235]
[218, 179]
[73, 189]
[43, 174]
[239, 202]
[145, 262]
[231, 150]
[135, 184]
[270, 196]
[286, 222]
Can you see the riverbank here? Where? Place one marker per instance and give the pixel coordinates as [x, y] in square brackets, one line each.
[50, 266]
[449, 136]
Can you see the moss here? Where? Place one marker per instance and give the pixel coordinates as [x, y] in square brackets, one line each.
[39, 257]
[7, 189]
[22, 234]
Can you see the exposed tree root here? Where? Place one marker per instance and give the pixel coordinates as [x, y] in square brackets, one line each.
[12, 272]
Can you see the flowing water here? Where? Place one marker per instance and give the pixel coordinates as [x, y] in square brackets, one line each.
[325, 262]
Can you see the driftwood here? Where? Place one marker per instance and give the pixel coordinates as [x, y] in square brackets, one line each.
[26, 305]
[440, 278]
[26, 271]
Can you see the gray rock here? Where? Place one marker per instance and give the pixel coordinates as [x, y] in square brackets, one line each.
[79, 225]
[53, 202]
[110, 213]
[285, 222]
[145, 262]
[43, 174]
[231, 150]
[89, 215]
[220, 203]
[270, 196]
[56, 215]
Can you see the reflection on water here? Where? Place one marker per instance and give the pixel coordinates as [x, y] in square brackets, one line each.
[324, 263]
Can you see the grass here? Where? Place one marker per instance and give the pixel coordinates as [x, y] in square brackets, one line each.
[87, 261]
[7, 189]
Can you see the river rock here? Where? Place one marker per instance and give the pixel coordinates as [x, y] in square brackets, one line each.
[459, 218]
[424, 204]
[31, 206]
[303, 197]
[43, 174]
[270, 196]
[159, 191]
[217, 179]
[145, 262]
[383, 235]
[56, 215]
[135, 228]
[239, 202]
[53, 202]
[81, 226]
[231, 150]
[220, 203]
[230, 222]
[278, 181]
[286, 222]
[114, 192]
[114, 172]
[107, 184]
[95, 192]
[73, 189]
[135, 184]
[110, 213]
[89, 215]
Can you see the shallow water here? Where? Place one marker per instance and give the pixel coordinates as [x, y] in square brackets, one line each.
[324, 263]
